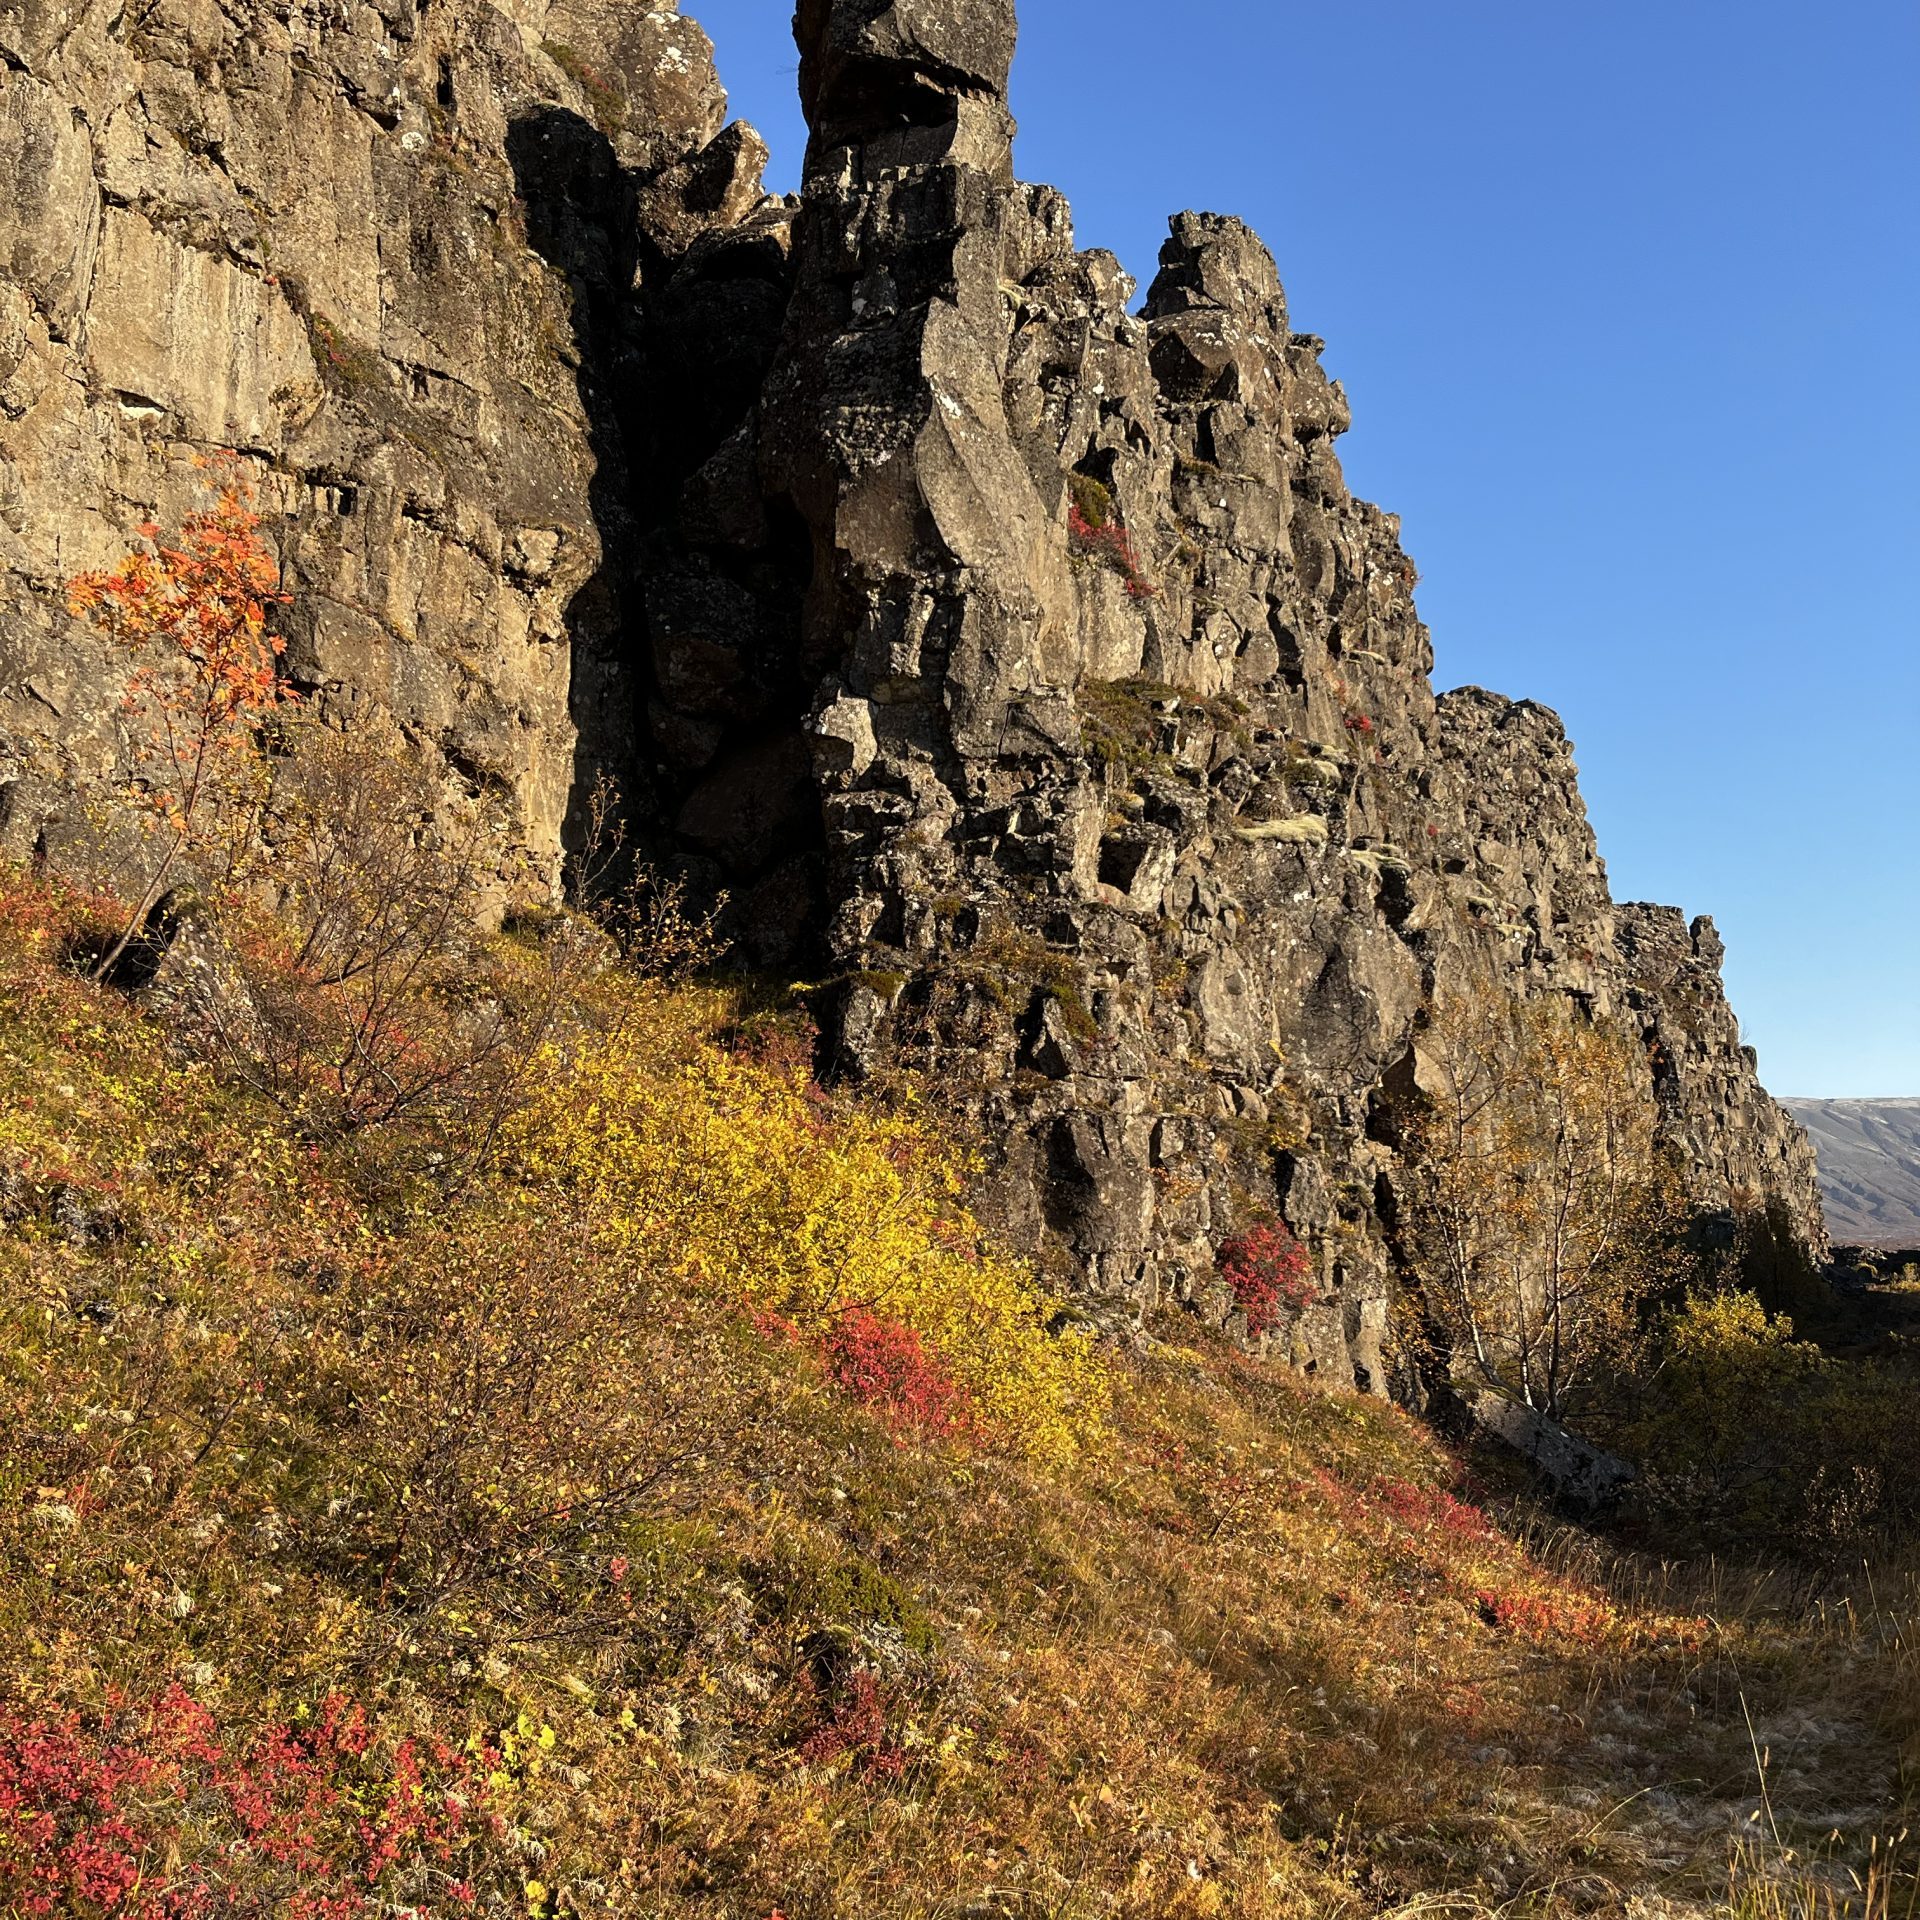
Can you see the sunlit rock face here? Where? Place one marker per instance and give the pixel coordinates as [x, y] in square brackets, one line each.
[1015, 661]
[386, 256]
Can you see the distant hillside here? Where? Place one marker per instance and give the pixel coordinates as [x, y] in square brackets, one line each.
[1869, 1167]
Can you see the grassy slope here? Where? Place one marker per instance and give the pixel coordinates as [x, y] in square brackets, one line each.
[1254, 1655]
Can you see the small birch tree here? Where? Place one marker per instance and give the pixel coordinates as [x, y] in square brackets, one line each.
[1538, 1217]
[193, 612]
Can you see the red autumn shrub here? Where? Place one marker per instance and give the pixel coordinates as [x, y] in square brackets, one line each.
[1424, 1508]
[1111, 542]
[45, 909]
[857, 1725]
[775, 1327]
[93, 1818]
[1531, 1616]
[882, 1364]
[788, 1046]
[1266, 1269]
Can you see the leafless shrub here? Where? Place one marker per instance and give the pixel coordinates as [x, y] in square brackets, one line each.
[497, 1386]
[354, 987]
[657, 932]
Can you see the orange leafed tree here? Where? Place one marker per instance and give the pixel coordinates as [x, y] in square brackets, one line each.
[194, 611]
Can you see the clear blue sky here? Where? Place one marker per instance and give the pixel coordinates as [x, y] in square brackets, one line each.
[1626, 294]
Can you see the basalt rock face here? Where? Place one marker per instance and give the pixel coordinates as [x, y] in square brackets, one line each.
[1144, 829]
[1017, 662]
[388, 255]
[1723, 1127]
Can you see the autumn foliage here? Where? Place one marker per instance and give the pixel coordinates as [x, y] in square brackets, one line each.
[1538, 1209]
[1094, 531]
[853, 1728]
[93, 1815]
[883, 1364]
[846, 1222]
[1267, 1271]
[586, 1467]
[193, 611]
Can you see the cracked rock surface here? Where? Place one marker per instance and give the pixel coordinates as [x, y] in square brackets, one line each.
[371, 250]
[1017, 662]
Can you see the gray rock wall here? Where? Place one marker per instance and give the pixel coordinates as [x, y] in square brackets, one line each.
[1145, 831]
[367, 249]
[1019, 664]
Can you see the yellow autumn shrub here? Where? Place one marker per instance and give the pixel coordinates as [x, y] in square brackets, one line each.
[1728, 1432]
[1746, 1430]
[749, 1183]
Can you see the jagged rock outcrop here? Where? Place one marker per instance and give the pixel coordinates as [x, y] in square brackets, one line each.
[1724, 1129]
[1020, 664]
[1143, 824]
[383, 254]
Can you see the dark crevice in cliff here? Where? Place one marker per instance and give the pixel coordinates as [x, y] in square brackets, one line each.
[688, 687]
[581, 218]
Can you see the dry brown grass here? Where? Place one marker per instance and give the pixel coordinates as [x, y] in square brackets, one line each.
[275, 1423]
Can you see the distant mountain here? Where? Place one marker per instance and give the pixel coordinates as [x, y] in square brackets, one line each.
[1869, 1167]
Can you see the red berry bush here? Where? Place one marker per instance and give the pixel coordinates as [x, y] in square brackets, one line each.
[883, 1364]
[143, 1815]
[856, 1725]
[1266, 1269]
[1095, 532]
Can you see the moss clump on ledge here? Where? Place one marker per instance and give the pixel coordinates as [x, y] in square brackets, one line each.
[1091, 499]
[1311, 765]
[605, 100]
[1135, 726]
[1010, 966]
[349, 366]
[881, 983]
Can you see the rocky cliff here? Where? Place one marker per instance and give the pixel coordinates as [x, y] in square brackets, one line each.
[377, 251]
[1014, 657]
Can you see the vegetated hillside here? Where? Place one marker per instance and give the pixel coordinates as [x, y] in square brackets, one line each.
[1869, 1167]
[623, 1482]
[483, 1427]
